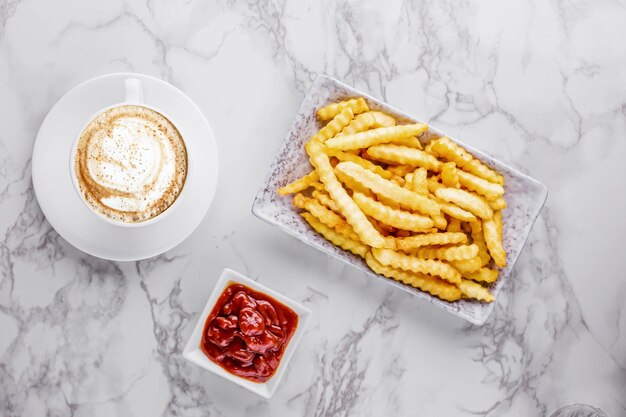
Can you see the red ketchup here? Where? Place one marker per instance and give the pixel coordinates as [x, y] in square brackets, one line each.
[247, 332]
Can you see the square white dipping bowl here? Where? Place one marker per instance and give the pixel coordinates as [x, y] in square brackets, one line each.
[524, 195]
[194, 353]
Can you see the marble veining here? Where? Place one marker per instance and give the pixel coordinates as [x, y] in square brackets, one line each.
[538, 85]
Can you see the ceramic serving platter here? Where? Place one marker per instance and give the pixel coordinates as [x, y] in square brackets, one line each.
[525, 196]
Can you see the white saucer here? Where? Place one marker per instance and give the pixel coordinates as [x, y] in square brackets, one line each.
[63, 207]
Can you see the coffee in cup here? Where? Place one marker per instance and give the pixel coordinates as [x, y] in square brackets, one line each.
[130, 164]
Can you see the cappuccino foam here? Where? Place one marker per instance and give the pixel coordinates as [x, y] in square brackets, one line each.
[130, 163]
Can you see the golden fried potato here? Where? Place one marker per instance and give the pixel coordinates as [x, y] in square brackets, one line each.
[388, 189]
[397, 218]
[411, 142]
[395, 259]
[473, 290]
[366, 121]
[456, 212]
[479, 240]
[335, 126]
[355, 217]
[300, 184]
[382, 119]
[448, 253]
[375, 136]
[454, 225]
[357, 105]
[450, 151]
[494, 242]
[467, 266]
[467, 201]
[417, 241]
[491, 191]
[497, 217]
[433, 285]
[403, 155]
[449, 175]
[325, 200]
[324, 215]
[334, 237]
[345, 156]
[318, 186]
[399, 170]
[483, 275]
[498, 204]
[420, 181]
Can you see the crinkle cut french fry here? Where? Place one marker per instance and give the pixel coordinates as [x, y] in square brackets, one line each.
[497, 217]
[352, 185]
[397, 218]
[318, 186]
[434, 185]
[375, 136]
[324, 215]
[388, 189]
[498, 204]
[410, 263]
[433, 285]
[483, 275]
[300, 184]
[399, 170]
[403, 155]
[335, 126]
[440, 221]
[345, 156]
[448, 150]
[490, 190]
[408, 181]
[467, 266]
[354, 216]
[334, 237]
[420, 181]
[473, 290]
[449, 175]
[382, 119]
[357, 105]
[397, 180]
[452, 253]
[360, 123]
[494, 243]
[411, 142]
[367, 120]
[467, 201]
[430, 239]
[324, 198]
[479, 240]
[456, 212]
[383, 229]
[454, 225]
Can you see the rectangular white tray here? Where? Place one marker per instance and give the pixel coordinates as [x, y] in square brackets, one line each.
[525, 196]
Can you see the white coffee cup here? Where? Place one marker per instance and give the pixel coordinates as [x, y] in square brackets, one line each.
[133, 95]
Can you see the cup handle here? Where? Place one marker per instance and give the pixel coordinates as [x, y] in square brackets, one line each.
[133, 92]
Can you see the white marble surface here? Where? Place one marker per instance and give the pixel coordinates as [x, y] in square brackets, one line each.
[539, 84]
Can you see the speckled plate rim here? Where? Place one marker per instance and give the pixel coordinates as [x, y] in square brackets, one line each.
[472, 311]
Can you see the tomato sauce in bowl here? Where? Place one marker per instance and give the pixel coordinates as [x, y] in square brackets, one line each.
[247, 332]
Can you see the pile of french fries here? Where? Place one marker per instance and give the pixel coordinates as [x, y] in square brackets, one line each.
[430, 217]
